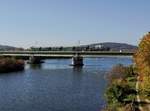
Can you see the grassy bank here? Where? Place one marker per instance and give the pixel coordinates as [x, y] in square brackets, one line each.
[11, 65]
[121, 90]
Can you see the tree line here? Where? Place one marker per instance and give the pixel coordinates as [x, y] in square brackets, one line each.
[74, 48]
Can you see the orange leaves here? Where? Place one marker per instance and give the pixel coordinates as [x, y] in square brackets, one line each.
[142, 61]
[142, 56]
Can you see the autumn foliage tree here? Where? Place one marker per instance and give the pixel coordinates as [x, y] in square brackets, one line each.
[142, 61]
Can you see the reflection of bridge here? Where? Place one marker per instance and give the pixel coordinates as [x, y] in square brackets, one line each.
[61, 54]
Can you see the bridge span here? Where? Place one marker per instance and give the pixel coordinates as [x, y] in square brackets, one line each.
[67, 54]
[35, 57]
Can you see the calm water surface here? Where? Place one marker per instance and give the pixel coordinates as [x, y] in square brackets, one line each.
[56, 86]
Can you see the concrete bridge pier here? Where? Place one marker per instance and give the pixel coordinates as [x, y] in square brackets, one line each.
[77, 60]
[35, 60]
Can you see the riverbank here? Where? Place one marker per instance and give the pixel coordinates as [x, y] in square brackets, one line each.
[143, 102]
[11, 65]
[121, 91]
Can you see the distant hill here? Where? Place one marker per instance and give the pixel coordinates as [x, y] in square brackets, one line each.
[115, 46]
[106, 46]
[7, 48]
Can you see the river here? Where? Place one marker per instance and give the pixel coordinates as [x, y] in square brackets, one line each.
[56, 86]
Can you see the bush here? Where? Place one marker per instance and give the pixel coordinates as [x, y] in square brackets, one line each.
[120, 72]
[120, 93]
[121, 88]
[11, 65]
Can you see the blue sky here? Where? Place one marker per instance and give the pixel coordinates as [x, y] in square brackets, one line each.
[26, 23]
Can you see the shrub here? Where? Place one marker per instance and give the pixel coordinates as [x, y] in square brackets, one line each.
[119, 92]
[120, 72]
[10, 65]
[121, 88]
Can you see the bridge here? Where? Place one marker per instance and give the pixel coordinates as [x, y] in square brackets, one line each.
[60, 54]
[76, 55]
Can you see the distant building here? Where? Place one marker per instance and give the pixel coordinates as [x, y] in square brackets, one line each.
[98, 46]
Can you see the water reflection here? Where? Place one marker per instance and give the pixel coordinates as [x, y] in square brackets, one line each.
[35, 66]
[77, 69]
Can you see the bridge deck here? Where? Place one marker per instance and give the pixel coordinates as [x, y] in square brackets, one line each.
[63, 53]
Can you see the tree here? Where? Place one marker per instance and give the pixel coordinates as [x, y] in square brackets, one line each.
[40, 48]
[60, 48]
[87, 48]
[142, 61]
[73, 48]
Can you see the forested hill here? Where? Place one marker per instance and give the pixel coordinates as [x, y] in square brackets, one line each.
[7, 48]
[106, 46]
[116, 46]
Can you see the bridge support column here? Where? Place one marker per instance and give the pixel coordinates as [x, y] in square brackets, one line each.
[77, 60]
[34, 60]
